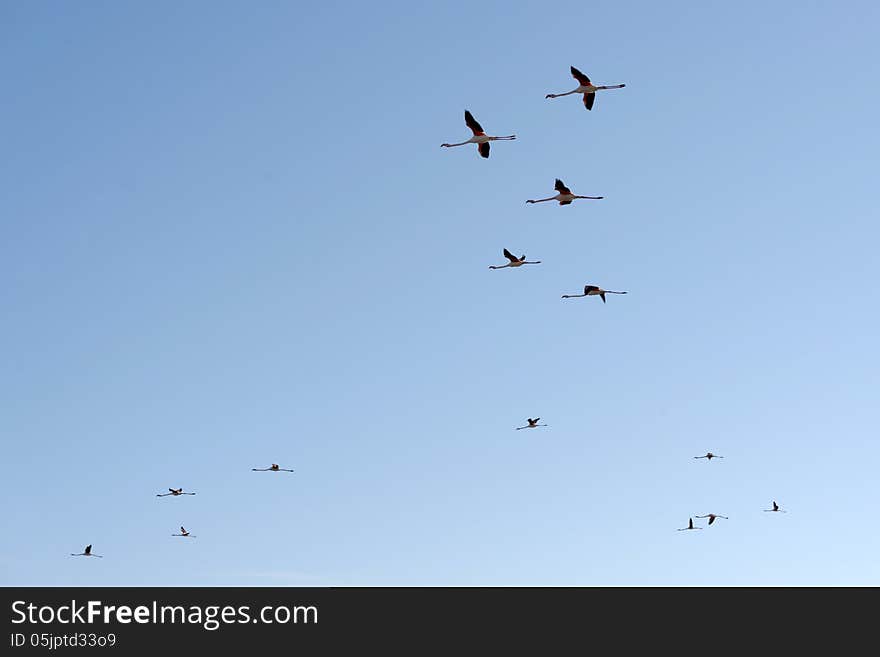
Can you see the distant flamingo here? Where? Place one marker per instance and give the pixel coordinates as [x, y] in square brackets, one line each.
[565, 197]
[532, 423]
[480, 138]
[712, 516]
[514, 261]
[183, 532]
[175, 492]
[775, 508]
[690, 525]
[86, 553]
[709, 456]
[585, 87]
[592, 290]
[273, 468]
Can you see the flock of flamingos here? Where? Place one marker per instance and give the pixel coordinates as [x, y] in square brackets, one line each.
[564, 196]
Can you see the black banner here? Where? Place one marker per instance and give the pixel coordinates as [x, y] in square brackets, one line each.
[131, 620]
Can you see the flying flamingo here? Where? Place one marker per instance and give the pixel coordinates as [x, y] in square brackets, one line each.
[709, 456]
[86, 553]
[532, 423]
[585, 87]
[183, 532]
[592, 290]
[775, 508]
[712, 516]
[690, 526]
[514, 261]
[565, 197]
[480, 138]
[175, 492]
[273, 468]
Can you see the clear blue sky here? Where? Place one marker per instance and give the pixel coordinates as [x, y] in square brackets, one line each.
[230, 238]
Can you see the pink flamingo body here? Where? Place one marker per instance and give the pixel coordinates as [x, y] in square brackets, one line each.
[175, 492]
[514, 261]
[585, 87]
[480, 138]
[565, 195]
[592, 290]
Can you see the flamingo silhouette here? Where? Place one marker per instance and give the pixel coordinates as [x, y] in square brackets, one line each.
[514, 261]
[480, 138]
[690, 526]
[565, 195]
[591, 291]
[272, 468]
[175, 492]
[585, 87]
[532, 423]
[86, 553]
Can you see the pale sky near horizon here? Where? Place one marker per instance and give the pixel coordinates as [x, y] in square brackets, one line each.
[230, 237]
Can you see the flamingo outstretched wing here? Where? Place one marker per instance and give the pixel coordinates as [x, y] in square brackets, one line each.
[580, 77]
[589, 99]
[472, 123]
[561, 188]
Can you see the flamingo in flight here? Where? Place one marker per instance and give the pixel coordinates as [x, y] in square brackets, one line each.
[272, 468]
[709, 456]
[532, 423]
[175, 492]
[690, 526]
[712, 516]
[590, 291]
[514, 261]
[775, 508]
[480, 138]
[86, 553]
[565, 197]
[585, 87]
[183, 532]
